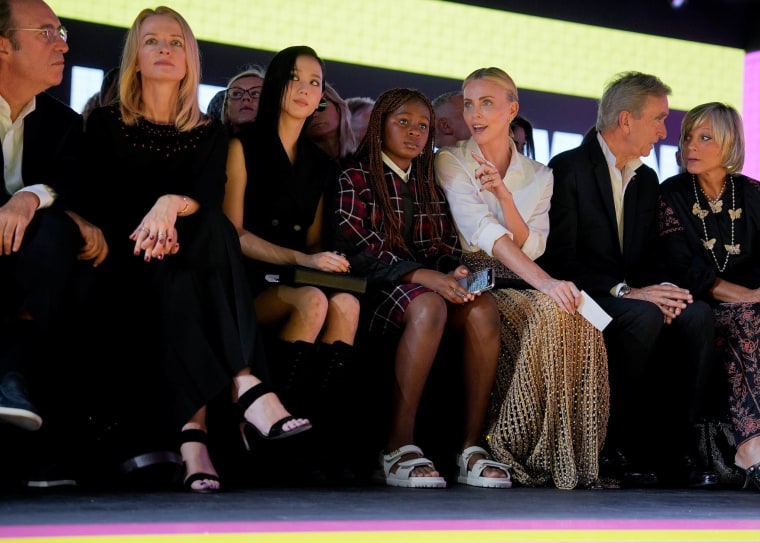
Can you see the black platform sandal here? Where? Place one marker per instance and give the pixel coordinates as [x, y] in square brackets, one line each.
[197, 436]
[753, 475]
[276, 430]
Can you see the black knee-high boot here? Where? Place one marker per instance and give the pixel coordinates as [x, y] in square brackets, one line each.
[332, 411]
[292, 366]
[335, 362]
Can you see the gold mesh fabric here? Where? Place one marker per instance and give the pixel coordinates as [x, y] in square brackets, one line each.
[550, 403]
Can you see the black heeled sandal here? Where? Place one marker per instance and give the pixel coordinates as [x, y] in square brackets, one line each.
[276, 430]
[753, 475]
[197, 436]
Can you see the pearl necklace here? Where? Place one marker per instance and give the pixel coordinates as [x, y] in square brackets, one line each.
[716, 206]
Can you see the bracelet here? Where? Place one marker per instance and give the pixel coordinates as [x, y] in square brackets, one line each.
[184, 209]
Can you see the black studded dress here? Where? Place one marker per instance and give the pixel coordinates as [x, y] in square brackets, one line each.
[186, 324]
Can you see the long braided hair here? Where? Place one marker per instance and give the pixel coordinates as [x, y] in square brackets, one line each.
[422, 166]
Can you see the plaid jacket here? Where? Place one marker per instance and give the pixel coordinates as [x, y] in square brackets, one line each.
[367, 248]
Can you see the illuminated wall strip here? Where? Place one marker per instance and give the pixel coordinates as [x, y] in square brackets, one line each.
[541, 54]
[751, 114]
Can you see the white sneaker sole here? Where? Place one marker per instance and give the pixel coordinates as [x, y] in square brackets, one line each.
[22, 418]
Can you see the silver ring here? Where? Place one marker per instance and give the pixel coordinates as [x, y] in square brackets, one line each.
[143, 229]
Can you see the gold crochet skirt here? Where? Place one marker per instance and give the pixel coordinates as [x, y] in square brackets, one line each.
[550, 403]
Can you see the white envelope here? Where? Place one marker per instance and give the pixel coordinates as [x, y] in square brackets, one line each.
[593, 312]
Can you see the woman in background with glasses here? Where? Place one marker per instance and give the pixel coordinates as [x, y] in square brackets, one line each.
[241, 103]
[276, 184]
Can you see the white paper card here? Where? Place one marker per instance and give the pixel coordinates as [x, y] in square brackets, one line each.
[593, 312]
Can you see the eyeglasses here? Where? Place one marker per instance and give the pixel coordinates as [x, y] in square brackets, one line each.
[50, 33]
[236, 93]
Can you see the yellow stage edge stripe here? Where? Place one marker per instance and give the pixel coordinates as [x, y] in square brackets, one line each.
[442, 536]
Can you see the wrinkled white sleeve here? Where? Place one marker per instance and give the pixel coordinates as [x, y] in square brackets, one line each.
[533, 204]
[478, 227]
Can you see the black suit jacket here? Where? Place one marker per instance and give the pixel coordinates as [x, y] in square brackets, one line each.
[52, 150]
[583, 241]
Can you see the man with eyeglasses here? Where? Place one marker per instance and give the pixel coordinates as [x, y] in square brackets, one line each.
[41, 237]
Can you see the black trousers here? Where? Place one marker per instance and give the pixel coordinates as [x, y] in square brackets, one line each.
[659, 375]
[40, 279]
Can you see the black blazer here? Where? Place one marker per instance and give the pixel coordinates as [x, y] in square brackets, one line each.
[583, 240]
[52, 150]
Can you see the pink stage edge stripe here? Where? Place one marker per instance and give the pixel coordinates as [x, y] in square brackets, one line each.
[163, 528]
[751, 114]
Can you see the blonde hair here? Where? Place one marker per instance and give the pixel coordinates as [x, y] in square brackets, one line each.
[251, 71]
[187, 109]
[727, 130]
[495, 75]
[346, 134]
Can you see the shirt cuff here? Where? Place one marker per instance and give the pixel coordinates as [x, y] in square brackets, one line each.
[616, 289]
[490, 235]
[46, 194]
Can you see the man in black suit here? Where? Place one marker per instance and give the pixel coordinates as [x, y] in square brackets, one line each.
[603, 236]
[42, 238]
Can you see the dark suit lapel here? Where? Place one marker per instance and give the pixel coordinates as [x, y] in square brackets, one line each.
[31, 145]
[630, 214]
[602, 177]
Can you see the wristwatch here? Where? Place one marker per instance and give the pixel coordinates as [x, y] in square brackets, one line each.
[623, 291]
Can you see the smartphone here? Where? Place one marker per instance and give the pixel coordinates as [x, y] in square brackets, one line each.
[479, 281]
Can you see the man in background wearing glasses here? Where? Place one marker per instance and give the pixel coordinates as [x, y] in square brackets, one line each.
[41, 237]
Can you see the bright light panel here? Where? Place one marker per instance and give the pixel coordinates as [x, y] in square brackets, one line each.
[541, 54]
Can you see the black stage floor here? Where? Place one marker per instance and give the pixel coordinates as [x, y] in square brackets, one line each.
[375, 513]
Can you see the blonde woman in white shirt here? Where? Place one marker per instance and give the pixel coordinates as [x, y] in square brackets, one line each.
[550, 406]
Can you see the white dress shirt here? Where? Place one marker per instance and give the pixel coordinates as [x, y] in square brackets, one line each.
[620, 180]
[478, 215]
[12, 135]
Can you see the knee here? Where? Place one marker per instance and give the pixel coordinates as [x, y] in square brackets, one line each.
[427, 311]
[484, 315]
[312, 303]
[650, 321]
[345, 304]
[698, 316]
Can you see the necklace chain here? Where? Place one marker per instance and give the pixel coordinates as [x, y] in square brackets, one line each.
[716, 206]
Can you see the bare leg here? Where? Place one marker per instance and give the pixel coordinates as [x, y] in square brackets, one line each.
[424, 323]
[342, 318]
[195, 455]
[303, 309]
[265, 411]
[748, 453]
[480, 326]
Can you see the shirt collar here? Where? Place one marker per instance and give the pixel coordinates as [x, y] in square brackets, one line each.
[630, 166]
[5, 111]
[404, 175]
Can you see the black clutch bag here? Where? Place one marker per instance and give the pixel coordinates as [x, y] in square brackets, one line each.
[300, 276]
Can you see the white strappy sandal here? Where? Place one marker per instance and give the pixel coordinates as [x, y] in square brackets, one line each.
[403, 475]
[474, 477]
